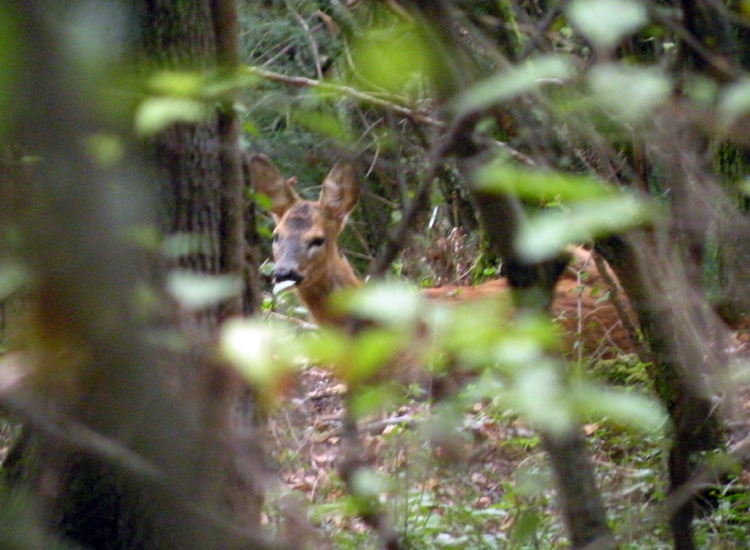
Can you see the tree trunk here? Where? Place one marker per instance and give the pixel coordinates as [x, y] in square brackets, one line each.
[126, 446]
[678, 334]
[205, 189]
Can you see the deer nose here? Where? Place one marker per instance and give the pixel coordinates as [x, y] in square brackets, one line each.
[281, 274]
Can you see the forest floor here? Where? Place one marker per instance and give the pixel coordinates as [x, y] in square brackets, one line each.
[473, 479]
[468, 477]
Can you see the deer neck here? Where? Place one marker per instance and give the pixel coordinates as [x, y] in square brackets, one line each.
[315, 293]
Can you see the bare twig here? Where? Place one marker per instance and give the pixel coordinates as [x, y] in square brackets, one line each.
[310, 38]
[398, 239]
[377, 427]
[535, 39]
[299, 322]
[707, 476]
[301, 81]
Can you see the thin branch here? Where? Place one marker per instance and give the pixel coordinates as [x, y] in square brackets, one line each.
[304, 325]
[418, 116]
[310, 39]
[348, 91]
[706, 476]
[535, 39]
[398, 239]
[718, 63]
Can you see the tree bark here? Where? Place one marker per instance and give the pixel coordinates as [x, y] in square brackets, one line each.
[205, 187]
[232, 230]
[677, 333]
[126, 446]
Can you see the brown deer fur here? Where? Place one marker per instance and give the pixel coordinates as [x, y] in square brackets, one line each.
[306, 253]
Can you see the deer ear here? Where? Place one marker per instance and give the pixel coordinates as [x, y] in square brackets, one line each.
[340, 192]
[267, 179]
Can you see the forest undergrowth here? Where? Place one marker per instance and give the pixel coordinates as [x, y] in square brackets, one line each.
[485, 485]
[471, 473]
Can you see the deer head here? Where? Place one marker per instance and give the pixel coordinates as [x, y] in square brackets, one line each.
[305, 248]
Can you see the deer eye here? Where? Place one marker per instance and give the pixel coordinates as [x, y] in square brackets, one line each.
[316, 242]
[275, 238]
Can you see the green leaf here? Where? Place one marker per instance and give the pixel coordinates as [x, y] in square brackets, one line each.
[451, 542]
[388, 304]
[630, 93]
[106, 149]
[146, 236]
[514, 82]
[373, 350]
[525, 526]
[539, 185]
[179, 245]
[549, 232]
[702, 91]
[157, 113]
[525, 342]
[358, 358]
[176, 83]
[226, 88]
[261, 199]
[328, 347]
[196, 290]
[393, 56]
[735, 101]
[323, 123]
[539, 395]
[626, 407]
[249, 127]
[264, 352]
[371, 399]
[369, 483]
[12, 277]
[606, 22]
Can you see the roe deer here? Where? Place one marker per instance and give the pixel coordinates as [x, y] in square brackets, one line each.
[305, 252]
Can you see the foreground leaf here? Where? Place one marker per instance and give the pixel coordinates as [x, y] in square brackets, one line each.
[625, 407]
[196, 290]
[157, 113]
[548, 233]
[513, 82]
[606, 22]
[540, 185]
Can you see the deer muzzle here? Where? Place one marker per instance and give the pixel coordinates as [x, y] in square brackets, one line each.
[284, 273]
